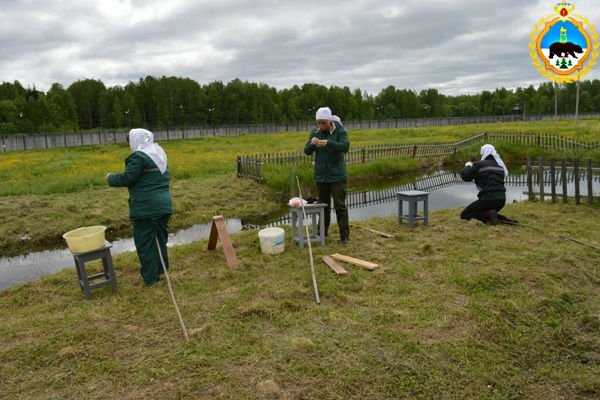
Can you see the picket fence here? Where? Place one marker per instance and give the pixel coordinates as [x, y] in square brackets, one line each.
[251, 166]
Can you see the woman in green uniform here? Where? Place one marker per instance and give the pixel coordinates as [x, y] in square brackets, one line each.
[150, 205]
[329, 141]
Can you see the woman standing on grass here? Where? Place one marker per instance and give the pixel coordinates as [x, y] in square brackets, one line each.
[150, 205]
[329, 140]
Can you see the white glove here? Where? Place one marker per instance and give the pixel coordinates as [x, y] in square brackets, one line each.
[468, 164]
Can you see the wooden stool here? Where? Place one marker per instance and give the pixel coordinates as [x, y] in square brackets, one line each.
[108, 273]
[413, 197]
[317, 233]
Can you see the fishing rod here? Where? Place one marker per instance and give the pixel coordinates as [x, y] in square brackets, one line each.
[187, 338]
[503, 221]
[560, 236]
[312, 263]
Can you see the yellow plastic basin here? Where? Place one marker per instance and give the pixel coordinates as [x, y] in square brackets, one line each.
[88, 238]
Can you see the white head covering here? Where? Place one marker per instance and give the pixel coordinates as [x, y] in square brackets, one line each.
[324, 113]
[143, 140]
[487, 150]
[336, 119]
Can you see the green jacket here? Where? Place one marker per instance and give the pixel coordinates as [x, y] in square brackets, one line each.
[330, 164]
[149, 194]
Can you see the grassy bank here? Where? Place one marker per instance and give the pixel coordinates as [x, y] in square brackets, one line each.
[46, 193]
[458, 310]
[75, 169]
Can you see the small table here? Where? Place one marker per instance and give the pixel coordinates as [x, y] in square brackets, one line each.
[108, 273]
[413, 197]
[317, 231]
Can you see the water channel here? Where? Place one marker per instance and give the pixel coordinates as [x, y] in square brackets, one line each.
[446, 189]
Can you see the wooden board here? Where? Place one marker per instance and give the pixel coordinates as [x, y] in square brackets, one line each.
[337, 268]
[356, 261]
[218, 229]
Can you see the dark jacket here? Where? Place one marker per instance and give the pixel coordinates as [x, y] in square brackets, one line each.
[330, 165]
[149, 194]
[489, 178]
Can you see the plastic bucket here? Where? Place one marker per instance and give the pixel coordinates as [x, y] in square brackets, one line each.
[88, 238]
[272, 240]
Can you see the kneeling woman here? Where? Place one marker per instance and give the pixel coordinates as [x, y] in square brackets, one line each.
[150, 205]
[489, 176]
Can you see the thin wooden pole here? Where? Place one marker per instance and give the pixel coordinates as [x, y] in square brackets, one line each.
[589, 181]
[576, 178]
[553, 179]
[541, 178]
[563, 177]
[187, 338]
[529, 179]
[312, 263]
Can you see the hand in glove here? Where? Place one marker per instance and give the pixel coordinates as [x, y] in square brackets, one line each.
[469, 164]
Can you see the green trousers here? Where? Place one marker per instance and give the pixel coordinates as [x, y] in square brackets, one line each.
[337, 190]
[145, 234]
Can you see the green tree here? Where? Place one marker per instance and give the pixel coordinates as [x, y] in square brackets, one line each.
[86, 94]
[62, 108]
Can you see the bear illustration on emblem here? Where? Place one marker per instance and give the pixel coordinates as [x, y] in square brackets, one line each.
[561, 45]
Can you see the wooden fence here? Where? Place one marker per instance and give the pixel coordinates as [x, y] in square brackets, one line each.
[108, 136]
[557, 175]
[443, 179]
[250, 166]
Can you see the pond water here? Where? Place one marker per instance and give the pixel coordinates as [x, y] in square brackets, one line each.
[446, 189]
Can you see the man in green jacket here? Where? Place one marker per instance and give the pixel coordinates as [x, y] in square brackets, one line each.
[329, 142]
[150, 205]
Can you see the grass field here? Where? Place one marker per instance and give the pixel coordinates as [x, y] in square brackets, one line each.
[455, 311]
[47, 193]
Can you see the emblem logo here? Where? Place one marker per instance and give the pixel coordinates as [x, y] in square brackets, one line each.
[564, 45]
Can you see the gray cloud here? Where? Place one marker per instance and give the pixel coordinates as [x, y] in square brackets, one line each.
[455, 46]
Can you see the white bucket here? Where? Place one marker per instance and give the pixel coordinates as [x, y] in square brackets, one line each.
[272, 240]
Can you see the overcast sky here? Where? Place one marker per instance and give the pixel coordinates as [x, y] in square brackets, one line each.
[455, 46]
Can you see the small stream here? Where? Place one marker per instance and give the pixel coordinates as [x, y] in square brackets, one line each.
[446, 191]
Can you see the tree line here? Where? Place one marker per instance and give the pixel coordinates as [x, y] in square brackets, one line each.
[169, 102]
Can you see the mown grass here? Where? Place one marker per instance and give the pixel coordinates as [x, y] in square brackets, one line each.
[457, 310]
[47, 193]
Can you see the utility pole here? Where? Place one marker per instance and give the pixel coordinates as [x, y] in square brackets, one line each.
[577, 100]
[555, 99]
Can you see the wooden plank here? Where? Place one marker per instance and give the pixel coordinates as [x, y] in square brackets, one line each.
[337, 268]
[356, 261]
[214, 235]
[219, 229]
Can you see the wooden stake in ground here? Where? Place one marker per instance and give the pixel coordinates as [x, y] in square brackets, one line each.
[312, 263]
[356, 261]
[218, 229]
[187, 338]
[337, 268]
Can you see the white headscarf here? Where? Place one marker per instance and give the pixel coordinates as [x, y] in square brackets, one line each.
[487, 150]
[323, 113]
[143, 140]
[336, 119]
